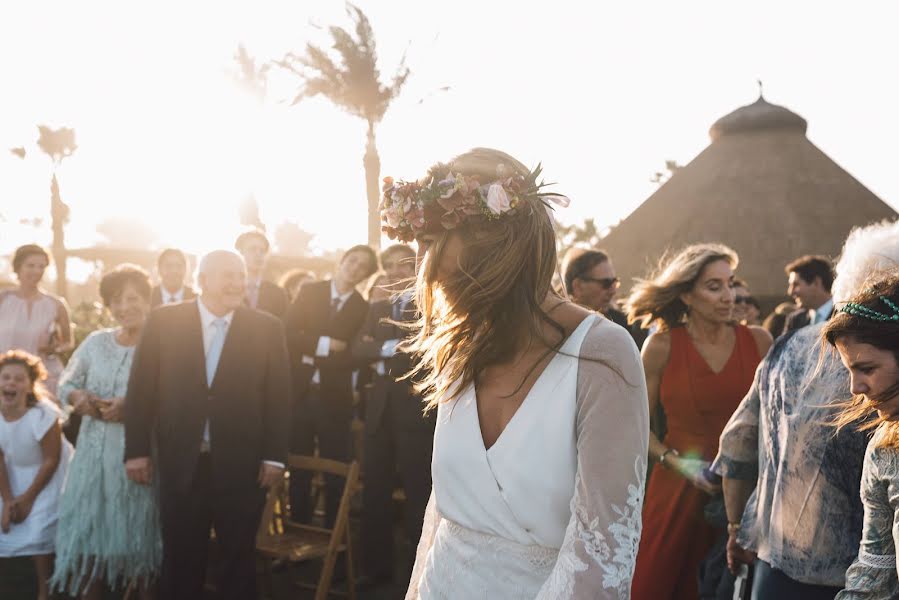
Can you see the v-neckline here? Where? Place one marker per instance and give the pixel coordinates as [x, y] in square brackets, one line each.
[730, 358]
[527, 396]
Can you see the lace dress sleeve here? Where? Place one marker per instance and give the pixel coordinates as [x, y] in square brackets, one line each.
[428, 531]
[599, 551]
[872, 575]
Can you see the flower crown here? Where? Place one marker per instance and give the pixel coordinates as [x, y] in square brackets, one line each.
[412, 208]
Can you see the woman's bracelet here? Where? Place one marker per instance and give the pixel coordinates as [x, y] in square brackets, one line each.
[733, 527]
[666, 453]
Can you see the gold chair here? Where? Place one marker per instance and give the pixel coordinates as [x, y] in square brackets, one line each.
[278, 538]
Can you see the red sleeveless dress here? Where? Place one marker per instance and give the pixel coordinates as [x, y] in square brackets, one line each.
[698, 403]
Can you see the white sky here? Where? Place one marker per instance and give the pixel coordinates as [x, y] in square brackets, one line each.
[601, 93]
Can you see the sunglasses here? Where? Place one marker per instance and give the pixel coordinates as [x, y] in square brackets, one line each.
[605, 282]
[744, 300]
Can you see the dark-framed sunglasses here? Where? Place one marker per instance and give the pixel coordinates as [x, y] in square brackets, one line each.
[744, 300]
[605, 282]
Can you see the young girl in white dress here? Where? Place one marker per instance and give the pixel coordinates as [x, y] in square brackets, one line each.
[33, 461]
[542, 426]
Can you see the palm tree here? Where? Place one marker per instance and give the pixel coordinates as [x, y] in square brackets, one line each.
[58, 144]
[349, 77]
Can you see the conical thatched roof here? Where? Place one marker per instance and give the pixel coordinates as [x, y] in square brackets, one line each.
[760, 187]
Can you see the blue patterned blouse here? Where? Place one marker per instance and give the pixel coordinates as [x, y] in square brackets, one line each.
[873, 574]
[805, 515]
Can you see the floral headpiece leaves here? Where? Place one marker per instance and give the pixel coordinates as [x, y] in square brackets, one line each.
[446, 200]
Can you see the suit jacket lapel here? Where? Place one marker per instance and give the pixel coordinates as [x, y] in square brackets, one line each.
[194, 329]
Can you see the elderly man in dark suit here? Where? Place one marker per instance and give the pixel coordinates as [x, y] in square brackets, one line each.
[261, 294]
[172, 268]
[398, 438]
[321, 324]
[207, 409]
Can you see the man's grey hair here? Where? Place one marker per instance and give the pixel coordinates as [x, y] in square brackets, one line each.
[216, 256]
[867, 250]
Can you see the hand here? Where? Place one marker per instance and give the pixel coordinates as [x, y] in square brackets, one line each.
[692, 469]
[269, 475]
[139, 470]
[20, 508]
[736, 555]
[6, 517]
[337, 345]
[112, 409]
[84, 403]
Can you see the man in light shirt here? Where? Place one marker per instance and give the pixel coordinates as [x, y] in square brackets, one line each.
[398, 438]
[208, 400]
[172, 268]
[321, 324]
[810, 280]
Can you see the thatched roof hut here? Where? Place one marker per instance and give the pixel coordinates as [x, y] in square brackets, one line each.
[760, 187]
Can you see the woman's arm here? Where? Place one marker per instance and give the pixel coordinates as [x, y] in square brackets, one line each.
[599, 551]
[64, 327]
[872, 576]
[51, 448]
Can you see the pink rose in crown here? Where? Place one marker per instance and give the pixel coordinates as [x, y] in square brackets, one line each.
[393, 217]
[497, 199]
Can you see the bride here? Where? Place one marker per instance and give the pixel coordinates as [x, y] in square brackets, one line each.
[542, 427]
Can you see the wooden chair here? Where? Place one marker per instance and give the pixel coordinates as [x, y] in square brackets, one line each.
[278, 538]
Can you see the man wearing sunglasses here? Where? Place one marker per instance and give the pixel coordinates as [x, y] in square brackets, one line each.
[590, 281]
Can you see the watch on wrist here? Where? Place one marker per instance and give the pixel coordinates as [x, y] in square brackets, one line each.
[666, 453]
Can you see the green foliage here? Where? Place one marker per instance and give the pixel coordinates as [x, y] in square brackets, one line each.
[86, 318]
[586, 234]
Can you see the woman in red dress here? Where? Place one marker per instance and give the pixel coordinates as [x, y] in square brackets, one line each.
[699, 365]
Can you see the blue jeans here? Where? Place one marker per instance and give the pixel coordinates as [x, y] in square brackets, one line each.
[770, 584]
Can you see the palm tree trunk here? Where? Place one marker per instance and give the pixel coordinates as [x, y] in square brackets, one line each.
[58, 214]
[372, 164]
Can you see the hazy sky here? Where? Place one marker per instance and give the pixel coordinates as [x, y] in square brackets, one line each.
[601, 93]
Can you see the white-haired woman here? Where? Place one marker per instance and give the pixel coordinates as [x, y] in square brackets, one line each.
[699, 366]
[781, 461]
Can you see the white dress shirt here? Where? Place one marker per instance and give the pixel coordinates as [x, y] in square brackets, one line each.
[821, 314]
[169, 298]
[324, 342]
[208, 328]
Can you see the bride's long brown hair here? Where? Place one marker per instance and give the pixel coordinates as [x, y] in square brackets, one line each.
[490, 308]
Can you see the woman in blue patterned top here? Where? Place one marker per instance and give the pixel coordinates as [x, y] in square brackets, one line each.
[866, 336]
[791, 482]
[108, 526]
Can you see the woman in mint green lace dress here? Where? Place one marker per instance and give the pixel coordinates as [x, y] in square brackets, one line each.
[108, 530]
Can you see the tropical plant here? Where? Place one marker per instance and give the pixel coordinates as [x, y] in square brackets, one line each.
[58, 144]
[348, 76]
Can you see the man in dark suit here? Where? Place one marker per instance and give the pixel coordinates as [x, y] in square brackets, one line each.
[591, 281]
[321, 324]
[208, 400]
[261, 294]
[172, 268]
[398, 438]
[810, 279]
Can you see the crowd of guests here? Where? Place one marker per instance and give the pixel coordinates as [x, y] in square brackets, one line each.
[773, 440]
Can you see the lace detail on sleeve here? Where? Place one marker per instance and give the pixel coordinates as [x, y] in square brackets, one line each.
[599, 551]
[877, 561]
[428, 531]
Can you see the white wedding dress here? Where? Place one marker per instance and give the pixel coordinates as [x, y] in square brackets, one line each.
[552, 509]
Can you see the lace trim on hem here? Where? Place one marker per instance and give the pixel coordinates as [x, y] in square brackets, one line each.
[877, 561]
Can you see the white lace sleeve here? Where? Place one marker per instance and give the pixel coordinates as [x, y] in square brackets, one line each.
[599, 551]
[428, 530]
